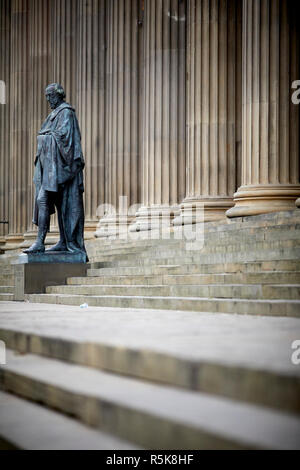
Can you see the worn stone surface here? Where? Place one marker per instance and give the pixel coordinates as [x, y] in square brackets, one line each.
[150, 415]
[245, 340]
[48, 430]
[228, 355]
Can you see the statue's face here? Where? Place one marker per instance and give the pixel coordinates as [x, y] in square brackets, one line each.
[54, 99]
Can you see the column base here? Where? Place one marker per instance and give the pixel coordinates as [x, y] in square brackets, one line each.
[2, 243]
[13, 241]
[213, 209]
[154, 217]
[261, 199]
[113, 226]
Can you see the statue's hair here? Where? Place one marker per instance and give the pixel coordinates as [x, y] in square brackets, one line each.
[57, 88]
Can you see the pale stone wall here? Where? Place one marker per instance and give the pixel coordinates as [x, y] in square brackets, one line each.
[179, 101]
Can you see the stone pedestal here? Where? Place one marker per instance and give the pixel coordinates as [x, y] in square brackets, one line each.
[13, 241]
[33, 272]
[270, 140]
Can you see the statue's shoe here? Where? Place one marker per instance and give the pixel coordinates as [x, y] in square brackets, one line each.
[59, 246]
[37, 247]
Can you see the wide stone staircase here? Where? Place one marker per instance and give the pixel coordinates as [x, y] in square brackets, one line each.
[177, 349]
[7, 284]
[246, 267]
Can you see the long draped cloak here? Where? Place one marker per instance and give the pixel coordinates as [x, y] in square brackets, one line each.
[59, 167]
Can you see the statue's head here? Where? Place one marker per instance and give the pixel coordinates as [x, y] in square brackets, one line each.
[55, 95]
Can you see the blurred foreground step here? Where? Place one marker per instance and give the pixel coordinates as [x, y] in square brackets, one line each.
[236, 356]
[25, 425]
[152, 416]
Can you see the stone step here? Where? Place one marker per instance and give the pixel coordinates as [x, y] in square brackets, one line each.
[254, 222]
[272, 277]
[227, 291]
[151, 415]
[282, 291]
[6, 268]
[118, 252]
[230, 257]
[28, 426]
[6, 297]
[227, 355]
[7, 289]
[97, 246]
[288, 230]
[203, 268]
[115, 280]
[290, 308]
[291, 277]
[132, 270]
[181, 253]
[6, 279]
[227, 246]
[242, 236]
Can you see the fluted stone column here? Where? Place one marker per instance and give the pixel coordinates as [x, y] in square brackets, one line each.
[65, 34]
[19, 129]
[163, 145]
[270, 166]
[63, 69]
[40, 60]
[213, 117]
[91, 104]
[5, 11]
[121, 116]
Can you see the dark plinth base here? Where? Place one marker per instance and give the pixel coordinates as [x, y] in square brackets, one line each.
[34, 272]
[52, 257]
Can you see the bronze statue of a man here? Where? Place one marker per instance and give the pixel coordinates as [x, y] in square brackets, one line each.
[58, 176]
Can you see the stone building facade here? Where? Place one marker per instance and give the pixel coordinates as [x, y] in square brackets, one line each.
[179, 102]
